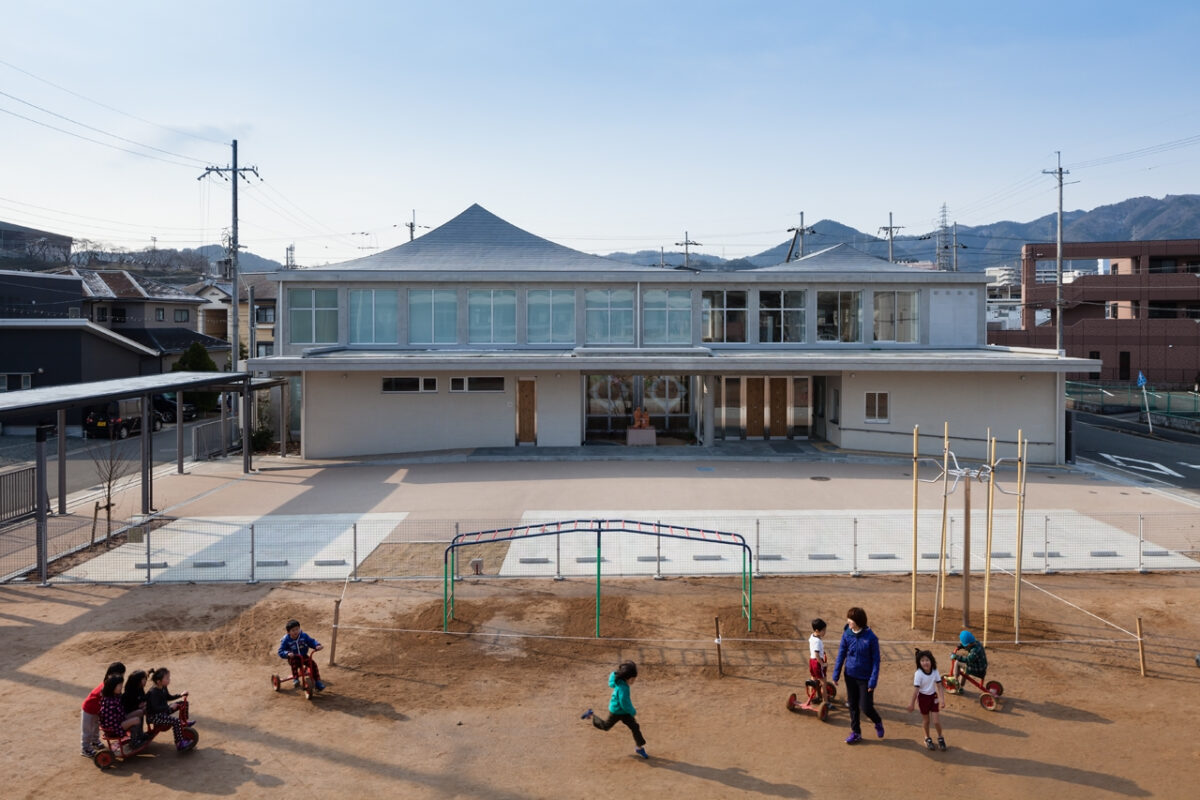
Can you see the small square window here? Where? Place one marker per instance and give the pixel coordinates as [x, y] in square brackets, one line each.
[876, 407]
[160, 314]
[118, 315]
[182, 315]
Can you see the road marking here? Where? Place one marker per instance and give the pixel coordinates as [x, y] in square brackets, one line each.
[1190, 466]
[1148, 466]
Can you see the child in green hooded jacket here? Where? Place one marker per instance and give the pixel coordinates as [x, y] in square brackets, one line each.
[620, 707]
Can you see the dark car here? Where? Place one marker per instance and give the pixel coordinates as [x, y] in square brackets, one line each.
[116, 420]
[164, 407]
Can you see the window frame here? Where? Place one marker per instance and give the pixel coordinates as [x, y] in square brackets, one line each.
[316, 314]
[472, 384]
[871, 406]
[608, 311]
[913, 325]
[842, 314]
[717, 314]
[183, 315]
[424, 385]
[481, 303]
[675, 308]
[783, 310]
[554, 336]
[431, 336]
[374, 307]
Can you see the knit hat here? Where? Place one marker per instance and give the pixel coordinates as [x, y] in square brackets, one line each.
[966, 638]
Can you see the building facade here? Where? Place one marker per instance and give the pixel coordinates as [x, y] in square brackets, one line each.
[481, 334]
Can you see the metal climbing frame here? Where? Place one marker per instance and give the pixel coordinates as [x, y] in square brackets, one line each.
[599, 527]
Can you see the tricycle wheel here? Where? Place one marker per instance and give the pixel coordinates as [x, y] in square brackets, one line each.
[987, 701]
[306, 683]
[830, 690]
[791, 702]
[189, 736]
[994, 688]
[823, 711]
[103, 759]
[275, 682]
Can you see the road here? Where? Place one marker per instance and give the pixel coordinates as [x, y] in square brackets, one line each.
[1166, 457]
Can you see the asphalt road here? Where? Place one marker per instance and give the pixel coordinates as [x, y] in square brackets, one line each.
[1125, 445]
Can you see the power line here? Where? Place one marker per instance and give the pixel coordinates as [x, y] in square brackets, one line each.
[96, 141]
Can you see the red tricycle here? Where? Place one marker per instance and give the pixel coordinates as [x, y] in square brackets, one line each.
[817, 701]
[955, 683]
[122, 747]
[304, 676]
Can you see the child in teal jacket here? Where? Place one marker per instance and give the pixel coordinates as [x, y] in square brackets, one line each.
[620, 707]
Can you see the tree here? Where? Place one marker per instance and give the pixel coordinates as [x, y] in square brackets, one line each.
[197, 359]
[112, 463]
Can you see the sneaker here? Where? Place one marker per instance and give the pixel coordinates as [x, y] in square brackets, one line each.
[183, 747]
[88, 752]
[189, 723]
[941, 744]
[586, 715]
[641, 751]
[853, 738]
[929, 744]
[295, 683]
[320, 686]
[879, 729]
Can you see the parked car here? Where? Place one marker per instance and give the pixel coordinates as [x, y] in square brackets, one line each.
[116, 420]
[164, 407]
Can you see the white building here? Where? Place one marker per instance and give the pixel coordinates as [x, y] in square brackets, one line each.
[481, 334]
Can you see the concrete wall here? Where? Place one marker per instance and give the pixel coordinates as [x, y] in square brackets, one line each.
[971, 403]
[559, 409]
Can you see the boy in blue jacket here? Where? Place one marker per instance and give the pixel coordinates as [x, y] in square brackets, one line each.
[620, 707]
[294, 646]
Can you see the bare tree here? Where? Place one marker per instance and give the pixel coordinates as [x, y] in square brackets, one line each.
[112, 463]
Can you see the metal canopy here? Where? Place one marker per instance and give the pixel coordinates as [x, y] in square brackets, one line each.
[77, 395]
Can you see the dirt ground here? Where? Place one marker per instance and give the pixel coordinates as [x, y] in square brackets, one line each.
[411, 712]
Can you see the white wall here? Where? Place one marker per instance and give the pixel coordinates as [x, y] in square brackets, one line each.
[955, 317]
[971, 403]
[559, 409]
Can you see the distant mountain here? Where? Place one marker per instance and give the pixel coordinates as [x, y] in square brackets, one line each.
[247, 261]
[983, 246]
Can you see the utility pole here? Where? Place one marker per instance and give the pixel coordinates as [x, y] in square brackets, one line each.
[956, 249]
[797, 237]
[289, 261]
[687, 242]
[1059, 172]
[412, 226]
[236, 172]
[891, 232]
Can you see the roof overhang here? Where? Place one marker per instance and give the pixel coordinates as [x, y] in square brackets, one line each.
[78, 395]
[80, 324]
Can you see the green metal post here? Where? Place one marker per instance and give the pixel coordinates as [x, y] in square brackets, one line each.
[597, 582]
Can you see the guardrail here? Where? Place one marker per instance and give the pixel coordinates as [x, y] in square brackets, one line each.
[18, 494]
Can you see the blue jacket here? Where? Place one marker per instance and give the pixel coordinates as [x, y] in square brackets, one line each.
[859, 652]
[299, 646]
[620, 702]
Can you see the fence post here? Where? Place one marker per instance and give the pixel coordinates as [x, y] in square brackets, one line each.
[252, 564]
[558, 576]
[1046, 545]
[354, 534]
[757, 548]
[854, 573]
[146, 536]
[1141, 547]
[658, 556]
[949, 550]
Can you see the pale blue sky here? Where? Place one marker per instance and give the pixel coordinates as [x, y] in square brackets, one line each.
[599, 125]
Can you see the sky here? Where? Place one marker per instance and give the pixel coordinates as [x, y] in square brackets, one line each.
[602, 126]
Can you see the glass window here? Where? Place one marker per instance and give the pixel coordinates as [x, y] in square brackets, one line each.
[667, 316]
[550, 316]
[374, 316]
[723, 316]
[264, 314]
[182, 314]
[608, 316]
[896, 317]
[313, 316]
[407, 385]
[101, 314]
[492, 316]
[118, 315]
[780, 316]
[839, 316]
[482, 383]
[877, 407]
[432, 316]
[160, 315]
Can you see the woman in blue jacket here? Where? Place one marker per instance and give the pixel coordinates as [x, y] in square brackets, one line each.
[859, 653]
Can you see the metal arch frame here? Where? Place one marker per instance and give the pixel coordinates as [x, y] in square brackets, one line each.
[600, 527]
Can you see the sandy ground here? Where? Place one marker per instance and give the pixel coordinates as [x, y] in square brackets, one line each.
[412, 712]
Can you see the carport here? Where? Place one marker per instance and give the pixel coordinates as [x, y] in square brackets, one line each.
[60, 399]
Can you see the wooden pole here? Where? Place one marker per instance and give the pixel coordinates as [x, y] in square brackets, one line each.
[941, 598]
[720, 666]
[913, 621]
[1141, 648]
[337, 608]
[991, 511]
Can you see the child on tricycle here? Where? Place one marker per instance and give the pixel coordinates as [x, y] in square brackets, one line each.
[294, 647]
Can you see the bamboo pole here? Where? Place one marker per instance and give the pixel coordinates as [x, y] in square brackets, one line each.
[720, 666]
[941, 598]
[1141, 648]
[337, 608]
[1022, 452]
[991, 511]
[913, 622]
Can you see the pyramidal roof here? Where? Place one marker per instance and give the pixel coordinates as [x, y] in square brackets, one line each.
[478, 240]
[839, 258]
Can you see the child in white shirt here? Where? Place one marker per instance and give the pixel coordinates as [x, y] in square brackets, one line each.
[929, 693]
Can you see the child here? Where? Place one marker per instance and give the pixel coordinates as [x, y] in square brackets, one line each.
[930, 694]
[970, 657]
[133, 699]
[294, 646]
[620, 707]
[816, 658]
[113, 721]
[161, 706]
[89, 735]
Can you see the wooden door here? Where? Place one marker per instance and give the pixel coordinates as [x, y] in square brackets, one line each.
[779, 408]
[526, 412]
[754, 408]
